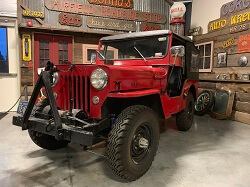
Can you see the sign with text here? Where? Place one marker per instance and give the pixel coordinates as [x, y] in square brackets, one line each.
[70, 19]
[114, 3]
[228, 43]
[239, 28]
[149, 27]
[111, 24]
[31, 13]
[234, 6]
[229, 21]
[244, 43]
[195, 31]
[103, 11]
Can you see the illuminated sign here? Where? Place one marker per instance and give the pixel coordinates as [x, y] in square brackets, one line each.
[26, 44]
[114, 3]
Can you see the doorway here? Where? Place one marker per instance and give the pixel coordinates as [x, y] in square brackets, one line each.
[54, 48]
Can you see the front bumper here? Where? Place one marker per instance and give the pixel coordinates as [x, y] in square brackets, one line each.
[67, 132]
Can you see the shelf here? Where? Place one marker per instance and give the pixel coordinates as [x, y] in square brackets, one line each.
[226, 81]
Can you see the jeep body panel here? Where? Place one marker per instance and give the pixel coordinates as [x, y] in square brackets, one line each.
[135, 81]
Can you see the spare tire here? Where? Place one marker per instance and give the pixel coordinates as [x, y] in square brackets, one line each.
[204, 102]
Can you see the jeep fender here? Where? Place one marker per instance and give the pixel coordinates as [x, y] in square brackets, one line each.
[118, 101]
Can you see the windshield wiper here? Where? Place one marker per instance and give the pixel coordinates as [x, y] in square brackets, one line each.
[140, 54]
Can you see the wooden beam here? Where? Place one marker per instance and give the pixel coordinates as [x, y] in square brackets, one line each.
[242, 107]
[241, 117]
[243, 97]
[208, 85]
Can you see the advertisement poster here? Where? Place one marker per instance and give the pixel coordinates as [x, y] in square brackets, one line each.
[244, 43]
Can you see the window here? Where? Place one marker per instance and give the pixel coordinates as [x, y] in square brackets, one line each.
[4, 65]
[206, 56]
[44, 52]
[89, 53]
[63, 52]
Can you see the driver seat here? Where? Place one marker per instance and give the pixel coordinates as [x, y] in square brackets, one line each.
[174, 86]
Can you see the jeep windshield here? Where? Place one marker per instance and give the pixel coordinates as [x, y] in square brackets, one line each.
[134, 48]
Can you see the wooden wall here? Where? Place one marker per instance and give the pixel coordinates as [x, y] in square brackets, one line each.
[78, 40]
[84, 39]
[241, 107]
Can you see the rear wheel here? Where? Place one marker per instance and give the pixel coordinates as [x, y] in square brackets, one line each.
[133, 142]
[43, 140]
[184, 119]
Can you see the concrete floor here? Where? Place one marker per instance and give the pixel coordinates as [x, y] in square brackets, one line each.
[212, 153]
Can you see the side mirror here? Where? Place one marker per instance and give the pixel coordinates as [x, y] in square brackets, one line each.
[177, 50]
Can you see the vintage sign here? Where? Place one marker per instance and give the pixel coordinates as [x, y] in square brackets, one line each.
[229, 21]
[228, 43]
[177, 10]
[30, 13]
[149, 27]
[239, 28]
[220, 24]
[70, 19]
[114, 3]
[234, 6]
[110, 24]
[244, 43]
[195, 31]
[26, 44]
[102, 11]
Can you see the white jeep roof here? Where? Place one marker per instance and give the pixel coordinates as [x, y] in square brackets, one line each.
[140, 35]
[136, 35]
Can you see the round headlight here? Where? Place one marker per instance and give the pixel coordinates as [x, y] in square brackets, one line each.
[99, 79]
[54, 79]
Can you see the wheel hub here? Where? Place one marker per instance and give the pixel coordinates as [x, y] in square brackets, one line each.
[143, 143]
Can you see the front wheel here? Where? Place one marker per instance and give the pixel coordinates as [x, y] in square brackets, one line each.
[46, 141]
[184, 119]
[133, 142]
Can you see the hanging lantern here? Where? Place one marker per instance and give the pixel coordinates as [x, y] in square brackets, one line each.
[177, 24]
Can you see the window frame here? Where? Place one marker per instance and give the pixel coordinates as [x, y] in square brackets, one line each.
[7, 50]
[85, 48]
[211, 56]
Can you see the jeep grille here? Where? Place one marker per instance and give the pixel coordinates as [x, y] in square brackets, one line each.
[80, 92]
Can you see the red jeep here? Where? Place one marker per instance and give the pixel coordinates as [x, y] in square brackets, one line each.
[138, 78]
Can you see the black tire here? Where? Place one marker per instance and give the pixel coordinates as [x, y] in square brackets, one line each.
[126, 156]
[43, 140]
[204, 102]
[184, 119]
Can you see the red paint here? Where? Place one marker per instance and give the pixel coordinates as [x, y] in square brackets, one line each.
[30, 64]
[137, 78]
[29, 23]
[53, 49]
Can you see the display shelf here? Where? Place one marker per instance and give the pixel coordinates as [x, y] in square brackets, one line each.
[226, 81]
